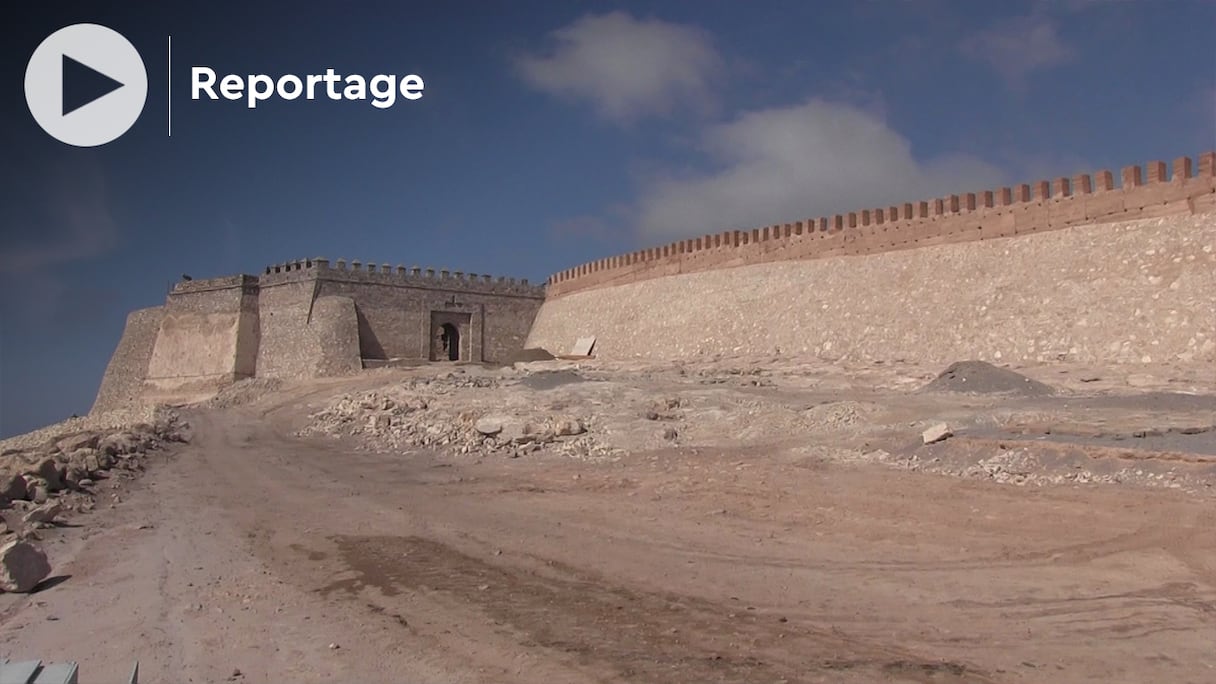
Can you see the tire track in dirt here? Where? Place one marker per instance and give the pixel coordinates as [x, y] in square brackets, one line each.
[642, 635]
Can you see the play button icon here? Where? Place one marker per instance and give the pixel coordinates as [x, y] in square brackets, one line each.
[82, 85]
[86, 85]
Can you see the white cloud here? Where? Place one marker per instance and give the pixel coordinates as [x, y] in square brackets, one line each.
[799, 162]
[1018, 47]
[625, 67]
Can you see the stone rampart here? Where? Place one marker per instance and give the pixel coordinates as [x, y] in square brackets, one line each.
[1128, 292]
[122, 384]
[393, 309]
[208, 337]
[1158, 189]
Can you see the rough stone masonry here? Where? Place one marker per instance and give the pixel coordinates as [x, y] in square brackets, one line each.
[1078, 270]
[1065, 270]
[311, 318]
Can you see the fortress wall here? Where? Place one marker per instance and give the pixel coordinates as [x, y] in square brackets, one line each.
[390, 322]
[305, 334]
[393, 306]
[336, 336]
[123, 381]
[208, 337]
[507, 326]
[1158, 189]
[1117, 293]
[286, 347]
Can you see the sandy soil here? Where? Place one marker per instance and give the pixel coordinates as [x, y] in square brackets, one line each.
[795, 531]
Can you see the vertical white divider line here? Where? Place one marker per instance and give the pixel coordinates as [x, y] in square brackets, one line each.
[170, 78]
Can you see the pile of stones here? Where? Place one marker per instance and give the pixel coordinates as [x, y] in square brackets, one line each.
[74, 462]
[43, 482]
[400, 418]
[446, 383]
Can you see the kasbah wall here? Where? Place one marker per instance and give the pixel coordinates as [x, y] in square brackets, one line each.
[1077, 270]
[1074, 270]
[309, 318]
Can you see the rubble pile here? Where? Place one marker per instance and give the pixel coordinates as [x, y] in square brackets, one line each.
[839, 415]
[1022, 467]
[61, 472]
[74, 462]
[426, 413]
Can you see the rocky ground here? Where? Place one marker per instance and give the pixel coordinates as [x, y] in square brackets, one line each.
[759, 519]
[1004, 426]
[47, 475]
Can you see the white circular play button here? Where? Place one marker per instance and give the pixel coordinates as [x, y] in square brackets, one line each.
[86, 85]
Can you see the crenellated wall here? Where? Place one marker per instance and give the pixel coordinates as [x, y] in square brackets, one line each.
[1076, 269]
[393, 310]
[309, 319]
[1132, 292]
[386, 274]
[1187, 186]
[208, 337]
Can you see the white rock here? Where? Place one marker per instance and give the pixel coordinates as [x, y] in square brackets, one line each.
[489, 425]
[565, 427]
[22, 566]
[936, 433]
[43, 514]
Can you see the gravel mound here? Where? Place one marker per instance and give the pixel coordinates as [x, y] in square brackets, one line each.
[979, 377]
[839, 415]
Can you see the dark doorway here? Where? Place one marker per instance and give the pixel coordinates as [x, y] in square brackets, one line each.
[451, 336]
[451, 341]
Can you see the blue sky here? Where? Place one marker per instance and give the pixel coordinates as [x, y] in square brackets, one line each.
[551, 133]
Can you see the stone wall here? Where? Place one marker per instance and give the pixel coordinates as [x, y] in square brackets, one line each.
[303, 336]
[306, 319]
[122, 384]
[286, 347]
[1142, 192]
[208, 337]
[1126, 292]
[393, 308]
[335, 328]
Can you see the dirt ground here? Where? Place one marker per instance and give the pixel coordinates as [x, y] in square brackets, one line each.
[767, 521]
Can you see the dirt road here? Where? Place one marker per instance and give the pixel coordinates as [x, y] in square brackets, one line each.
[254, 556]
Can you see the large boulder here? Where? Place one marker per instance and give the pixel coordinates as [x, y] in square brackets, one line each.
[92, 464]
[489, 425]
[120, 444]
[12, 487]
[48, 470]
[22, 566]
[82, 440]
[45, 513]
[36, 488]
[76, 473]
[566, 426]
[936, 433]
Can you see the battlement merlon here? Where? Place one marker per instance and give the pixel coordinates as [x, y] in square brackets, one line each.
[386, 274]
